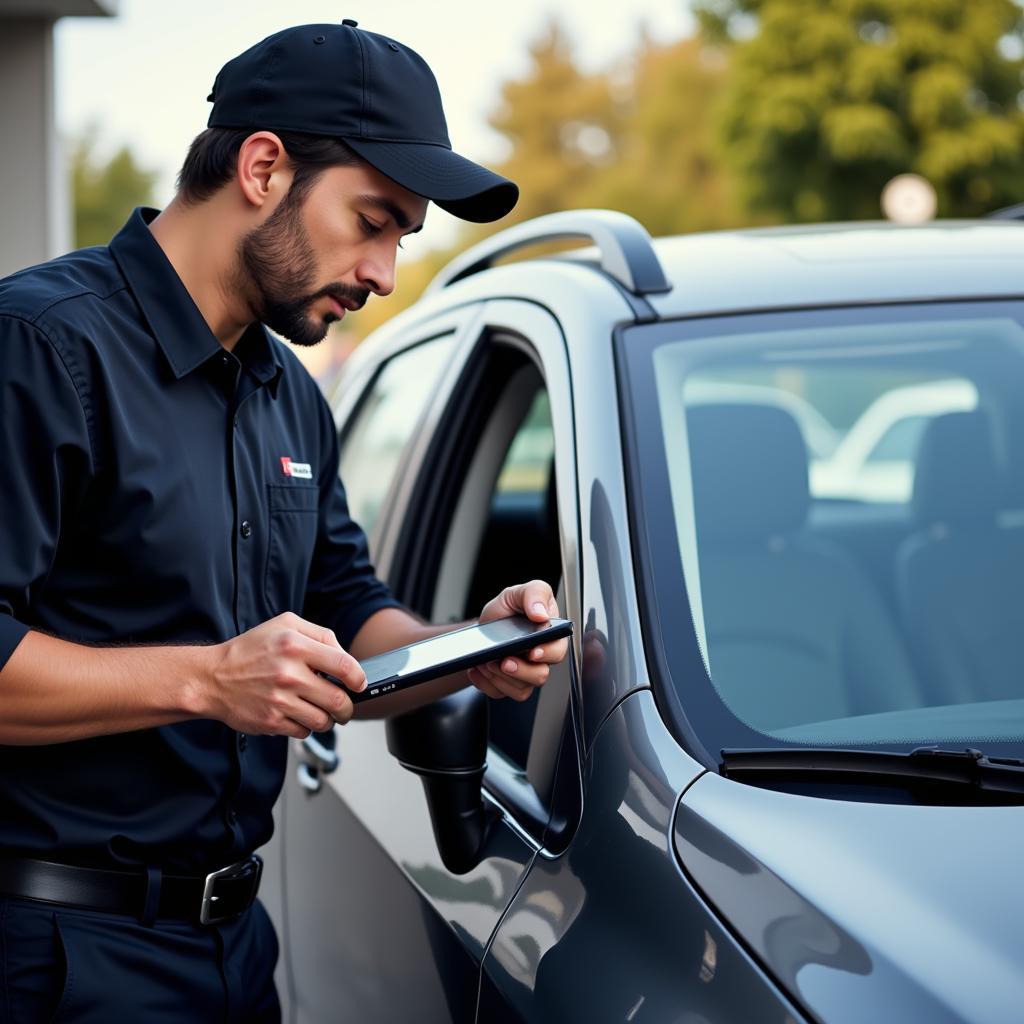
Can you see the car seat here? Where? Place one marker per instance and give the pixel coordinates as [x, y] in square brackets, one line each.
[960, 578]
[795, 631]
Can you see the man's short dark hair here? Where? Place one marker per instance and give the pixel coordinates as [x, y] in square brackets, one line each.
[213, 156]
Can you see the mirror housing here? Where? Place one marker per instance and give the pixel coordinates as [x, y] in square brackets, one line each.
[445, 742]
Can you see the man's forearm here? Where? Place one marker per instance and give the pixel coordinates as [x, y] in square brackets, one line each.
[267, 681]
[52, 691]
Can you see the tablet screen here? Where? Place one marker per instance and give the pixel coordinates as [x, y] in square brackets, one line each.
[449, 647]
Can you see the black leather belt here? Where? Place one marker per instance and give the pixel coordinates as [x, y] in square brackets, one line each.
[205, 899]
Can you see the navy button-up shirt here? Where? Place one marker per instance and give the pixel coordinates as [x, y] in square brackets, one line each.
[157, 489]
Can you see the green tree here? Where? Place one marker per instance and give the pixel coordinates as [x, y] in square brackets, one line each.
[638, 138]
[668, 173]
[829, 99]
[564, 128]
[105, 191]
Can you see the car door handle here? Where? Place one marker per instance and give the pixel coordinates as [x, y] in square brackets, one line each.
[308, 778]
[314, 752]
[316, 759]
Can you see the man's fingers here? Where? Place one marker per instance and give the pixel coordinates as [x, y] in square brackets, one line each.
[523, 672]
[550, 654]
[517, 689]
[504, 673]
[483, 684]
[307, 715]
[325, 696]
[317, 704]
[321, 634]
[520, 694]
[321, 657]
[505, 681]
[538, 601]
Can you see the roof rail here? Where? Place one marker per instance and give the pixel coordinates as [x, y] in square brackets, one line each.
[625, 246]
[1007, 213]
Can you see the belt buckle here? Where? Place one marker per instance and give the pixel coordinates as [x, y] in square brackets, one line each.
[206, 911]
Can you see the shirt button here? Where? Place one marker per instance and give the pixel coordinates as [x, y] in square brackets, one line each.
[243, 741]
[245, 529]
[232, 816]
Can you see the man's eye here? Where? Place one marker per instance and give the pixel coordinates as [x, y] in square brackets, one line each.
[371, 229]
[368, 226]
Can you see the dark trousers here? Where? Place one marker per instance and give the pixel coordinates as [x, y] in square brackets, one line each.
[86, 967]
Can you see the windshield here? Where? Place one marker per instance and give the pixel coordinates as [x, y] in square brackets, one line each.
[862, 592]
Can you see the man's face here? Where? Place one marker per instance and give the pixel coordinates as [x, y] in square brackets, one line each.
[316, 257]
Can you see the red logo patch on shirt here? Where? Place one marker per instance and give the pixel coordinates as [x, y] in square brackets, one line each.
[299, 470]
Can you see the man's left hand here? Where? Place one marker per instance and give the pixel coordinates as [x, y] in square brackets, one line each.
[517, 677]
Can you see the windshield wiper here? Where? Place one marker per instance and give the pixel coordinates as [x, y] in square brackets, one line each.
[927, 765]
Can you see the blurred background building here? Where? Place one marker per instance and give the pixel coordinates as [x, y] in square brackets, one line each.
[35, 208]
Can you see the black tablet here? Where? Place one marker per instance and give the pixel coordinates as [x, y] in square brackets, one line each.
[456, 650]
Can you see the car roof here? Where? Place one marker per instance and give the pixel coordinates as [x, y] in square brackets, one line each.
[741, 271]
[831, 264]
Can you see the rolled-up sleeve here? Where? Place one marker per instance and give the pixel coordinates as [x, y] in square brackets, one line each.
[46, 464]
[342, 591]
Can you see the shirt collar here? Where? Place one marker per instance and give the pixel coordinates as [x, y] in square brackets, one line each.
[173, 317]
[258, 354]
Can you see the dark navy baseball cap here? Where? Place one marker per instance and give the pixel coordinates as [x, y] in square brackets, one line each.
[372, 92]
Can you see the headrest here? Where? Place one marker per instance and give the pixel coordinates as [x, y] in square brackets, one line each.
[749, 465]
[956, 479]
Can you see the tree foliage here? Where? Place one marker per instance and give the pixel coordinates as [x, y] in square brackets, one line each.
[828, 101]
[669, 174]
[105, 191]
[639, 137]
[562, 125]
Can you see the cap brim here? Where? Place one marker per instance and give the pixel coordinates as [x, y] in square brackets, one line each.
[458, 185]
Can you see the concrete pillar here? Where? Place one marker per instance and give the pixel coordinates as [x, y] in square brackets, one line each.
[35, 220]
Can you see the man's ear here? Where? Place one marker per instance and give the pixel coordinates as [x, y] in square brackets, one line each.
[264, 172]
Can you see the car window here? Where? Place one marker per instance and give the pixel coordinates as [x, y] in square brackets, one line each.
[870, 596]
[899, 442]
[523, 522]
[384, 423]
[882, 416]
[500, 526]
[874, 415]
[527, 466]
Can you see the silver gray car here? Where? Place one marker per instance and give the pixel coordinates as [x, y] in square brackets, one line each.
[779, 777]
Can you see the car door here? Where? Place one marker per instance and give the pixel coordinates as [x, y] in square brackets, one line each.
[375, 926]
[382, 404]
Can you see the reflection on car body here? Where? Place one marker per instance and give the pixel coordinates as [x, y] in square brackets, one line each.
[651, 427]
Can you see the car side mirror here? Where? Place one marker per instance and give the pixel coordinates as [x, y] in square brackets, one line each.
[445, 743]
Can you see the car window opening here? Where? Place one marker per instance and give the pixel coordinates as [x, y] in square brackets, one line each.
[848, 511]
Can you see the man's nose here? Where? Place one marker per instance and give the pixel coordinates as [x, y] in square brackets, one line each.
[377, 273]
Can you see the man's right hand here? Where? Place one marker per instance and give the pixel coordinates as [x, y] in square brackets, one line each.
[265, 681]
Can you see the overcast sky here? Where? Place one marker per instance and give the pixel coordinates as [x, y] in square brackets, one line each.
[143, 76]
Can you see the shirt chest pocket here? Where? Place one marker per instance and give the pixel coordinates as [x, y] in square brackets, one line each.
[293, 526]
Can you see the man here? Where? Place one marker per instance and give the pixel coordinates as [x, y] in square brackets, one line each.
[177, 563]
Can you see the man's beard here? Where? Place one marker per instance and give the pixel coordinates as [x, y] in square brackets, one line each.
[276, 264]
